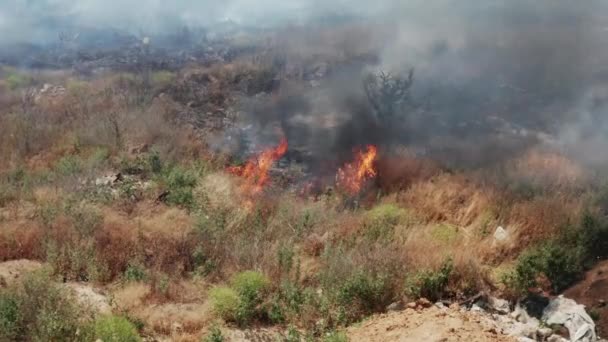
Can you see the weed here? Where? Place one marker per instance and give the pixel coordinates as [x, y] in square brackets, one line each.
[430, 284]
[381, 220]
[215, 335]
[180, 184]
[335, 336]
[293, 335]
[10, 316]
[39, 310]
[135, 272]
[560, 264]
[115, 329]
[445, 233]
[68, 165]
[225, 302]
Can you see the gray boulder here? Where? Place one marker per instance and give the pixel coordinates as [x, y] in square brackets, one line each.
[566, 312]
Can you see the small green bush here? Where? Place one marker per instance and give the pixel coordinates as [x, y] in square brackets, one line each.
[242, 301]
[225, 302]
[15, 81]
[135, 272]
[561, 264]
[362, 291]
[382, 219]
[251, 287]
[215, 335]
[250, 283]
[335, 336]
[180, 184]
[86, 219]
[10, 316]
[68, 165]
[115, 329]
[39, 310]
[430, 284]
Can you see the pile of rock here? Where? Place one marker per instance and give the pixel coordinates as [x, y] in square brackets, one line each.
[559, 321]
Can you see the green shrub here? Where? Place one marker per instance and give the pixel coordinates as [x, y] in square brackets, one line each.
[135, 272]
[251, 287]
[430, 284]
[68, 165]
[335, 336]
[10, 316]
[15, 81]
[39, 310]
[250, 283]
[86, 219]
[444, 232]
[115, 329]
[382, 219]
[242, 301]
[215, 335]
[225, 302]
[179, 184]
[561, 264]
[592, 238]
[362, 291]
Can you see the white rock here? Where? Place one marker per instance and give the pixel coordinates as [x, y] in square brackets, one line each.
[501, 234]
[525, 339]
[567, 312]
[499, 305]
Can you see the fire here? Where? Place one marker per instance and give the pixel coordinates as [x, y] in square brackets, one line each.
[255, 171]
[353, 176]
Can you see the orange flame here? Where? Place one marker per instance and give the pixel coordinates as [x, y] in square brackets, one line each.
[255, 171]
[353, 175]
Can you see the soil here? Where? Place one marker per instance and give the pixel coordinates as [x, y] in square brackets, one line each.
[432, 324]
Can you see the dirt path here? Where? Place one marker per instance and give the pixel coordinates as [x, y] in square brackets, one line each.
[432, 324]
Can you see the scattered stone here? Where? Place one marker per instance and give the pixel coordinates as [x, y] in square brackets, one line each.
[476, 308]
[424, 303]
[396, 306]
[566, 312]
[556, 338]
[544, 333]
[525, 339]
[411, 305]
[440, 305]
[501, 234]
[499, 305]
[601, 303]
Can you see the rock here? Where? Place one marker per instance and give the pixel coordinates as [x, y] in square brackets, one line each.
[411, 305]
[477, 308]
[520, 314]
[499, 305]
[500, 235]
[440, 305]
[601, 303]
[566, 312]
[424, 303]
[525, 339]
[396, 306]
[556, 338]
[544, 333]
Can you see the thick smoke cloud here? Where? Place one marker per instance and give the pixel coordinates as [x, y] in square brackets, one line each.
[481, 67]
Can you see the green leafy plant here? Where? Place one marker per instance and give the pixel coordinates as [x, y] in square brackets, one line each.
[115, 329]
[430, 284]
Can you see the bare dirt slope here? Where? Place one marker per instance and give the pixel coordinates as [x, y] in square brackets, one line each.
[592, 292]
[432, 324]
